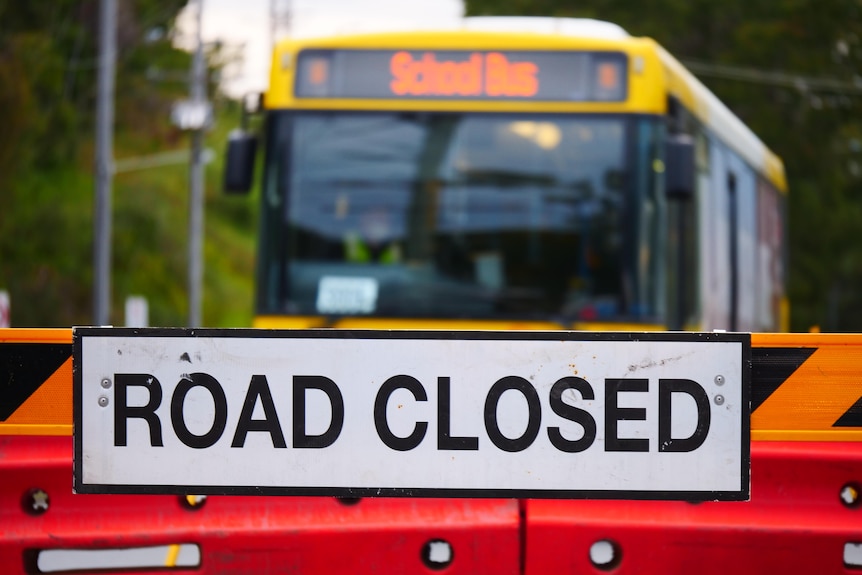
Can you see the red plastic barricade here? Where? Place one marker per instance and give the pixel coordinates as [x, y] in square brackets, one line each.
[45, 528]
[804, 517]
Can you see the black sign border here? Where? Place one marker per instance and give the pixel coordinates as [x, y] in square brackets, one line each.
[744, 494]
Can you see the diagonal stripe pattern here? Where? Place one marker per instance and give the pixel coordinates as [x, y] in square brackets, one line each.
[24, 367]
[852, 417]
[772, 366]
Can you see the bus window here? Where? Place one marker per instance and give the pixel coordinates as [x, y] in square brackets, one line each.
[489, 215]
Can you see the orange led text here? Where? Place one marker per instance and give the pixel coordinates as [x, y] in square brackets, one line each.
[490, 74]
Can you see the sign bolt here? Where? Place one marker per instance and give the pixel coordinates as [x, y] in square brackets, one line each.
[106, 383]
[719, 380]
[36, 502]
[719, 399]
[850, 495]
[103, 401]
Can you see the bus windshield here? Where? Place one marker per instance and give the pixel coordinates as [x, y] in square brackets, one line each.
[461, 215]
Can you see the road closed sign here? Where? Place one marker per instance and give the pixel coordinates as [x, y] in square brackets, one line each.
[412, 413]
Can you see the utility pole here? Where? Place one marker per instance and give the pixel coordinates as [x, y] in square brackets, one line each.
[280, 20]
[196, 180]
[104, 162]
[195, 115]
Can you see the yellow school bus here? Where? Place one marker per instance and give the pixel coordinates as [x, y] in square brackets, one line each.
[514, 173]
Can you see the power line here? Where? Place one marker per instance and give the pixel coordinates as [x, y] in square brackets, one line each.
[159, 160]
[772, 78]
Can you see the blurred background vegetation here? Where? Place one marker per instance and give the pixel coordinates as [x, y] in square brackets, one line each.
[48, 71]
[789, 68]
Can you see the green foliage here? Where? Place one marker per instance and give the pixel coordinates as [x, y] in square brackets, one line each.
[43, 238]
[816, 128]
[48, 58]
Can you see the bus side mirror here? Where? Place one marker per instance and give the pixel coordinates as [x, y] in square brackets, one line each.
[679, 167]
[239, 164]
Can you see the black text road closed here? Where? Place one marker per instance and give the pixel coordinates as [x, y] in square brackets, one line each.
[488, 414]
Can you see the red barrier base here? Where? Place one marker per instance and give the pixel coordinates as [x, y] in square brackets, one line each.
[38, 513]
[804, 517]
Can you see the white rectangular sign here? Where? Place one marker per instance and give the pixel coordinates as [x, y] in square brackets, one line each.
[412, 413]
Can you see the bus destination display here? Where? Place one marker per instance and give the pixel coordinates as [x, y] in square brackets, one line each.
[444, 74]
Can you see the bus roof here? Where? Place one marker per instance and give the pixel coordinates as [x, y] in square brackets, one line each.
[580, 27]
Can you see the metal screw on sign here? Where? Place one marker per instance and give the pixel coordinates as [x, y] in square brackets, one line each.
[719, 380]
[437, 554]
[106, 383]
[850, 495]
[719, 400]
[36, 502]
[103, 401]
